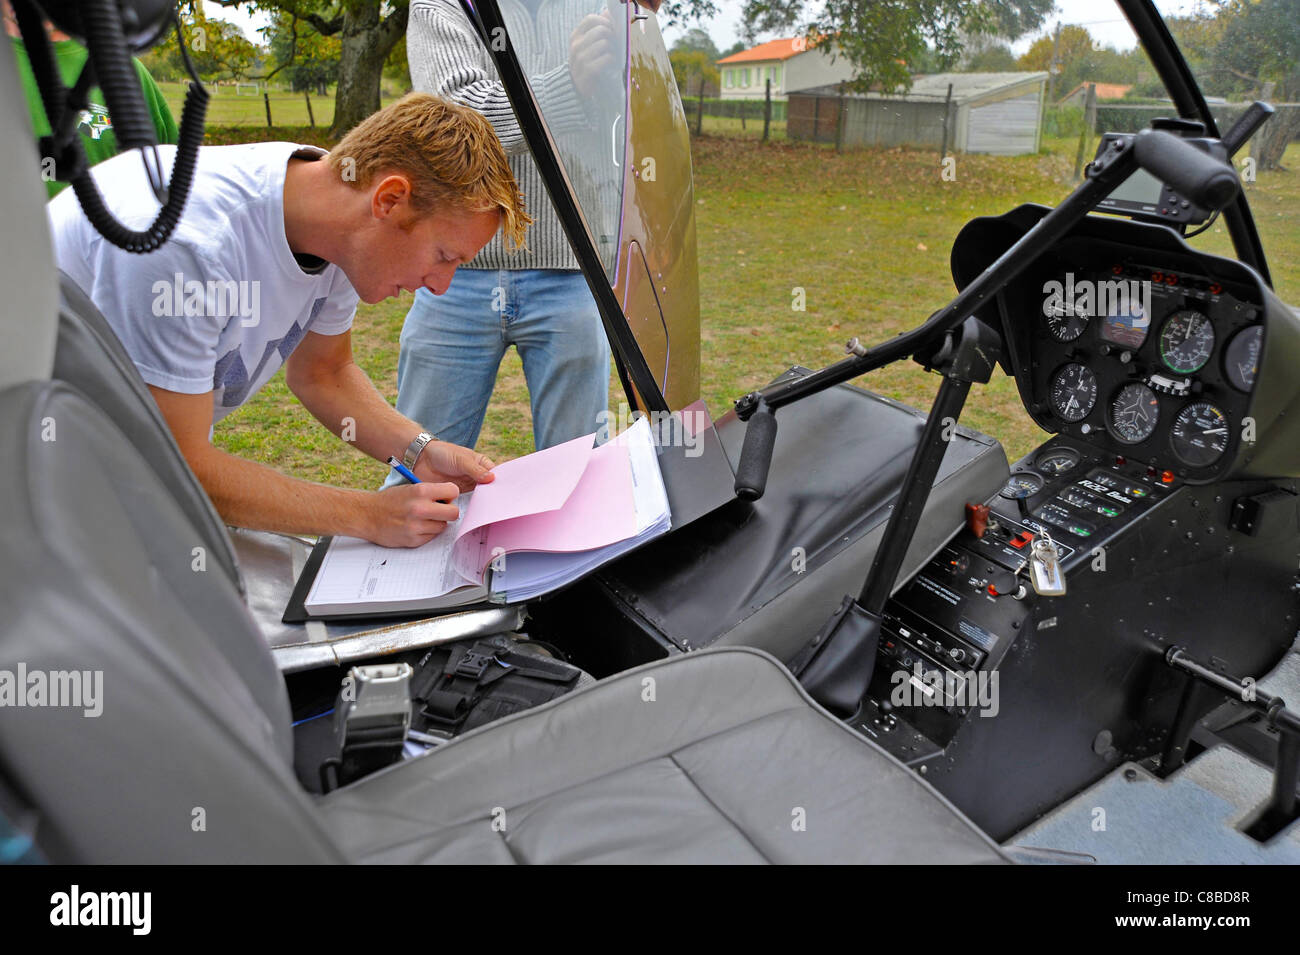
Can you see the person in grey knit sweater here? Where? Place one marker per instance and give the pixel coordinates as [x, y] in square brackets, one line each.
[535, 299]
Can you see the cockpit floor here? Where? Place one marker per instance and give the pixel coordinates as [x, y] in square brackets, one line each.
[1134, 818]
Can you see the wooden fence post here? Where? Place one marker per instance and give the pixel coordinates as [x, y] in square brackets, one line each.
[699, 113]
[311, 118]
[1085, 134]
[266, 98]
[947, 122]
[767, 108]
[839, 121]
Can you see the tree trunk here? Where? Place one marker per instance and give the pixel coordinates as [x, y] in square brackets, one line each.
[366, 42]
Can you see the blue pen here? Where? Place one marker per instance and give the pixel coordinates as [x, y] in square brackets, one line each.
[403, 470]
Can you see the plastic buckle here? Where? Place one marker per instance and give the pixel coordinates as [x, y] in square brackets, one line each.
[474, 665]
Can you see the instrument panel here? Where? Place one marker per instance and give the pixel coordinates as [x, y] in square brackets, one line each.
[1149, 362]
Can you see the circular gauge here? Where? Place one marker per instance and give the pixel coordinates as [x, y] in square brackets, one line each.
[1199, 434]
[1133, 413]
[1064, 321]
[1186, 341]
[1241, 357]
[1023, 484]
[1074, 392]
[1058, 461]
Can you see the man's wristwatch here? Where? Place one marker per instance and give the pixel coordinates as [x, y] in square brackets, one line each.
[413, 449]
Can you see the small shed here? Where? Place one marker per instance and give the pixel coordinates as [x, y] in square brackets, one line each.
[999, 113]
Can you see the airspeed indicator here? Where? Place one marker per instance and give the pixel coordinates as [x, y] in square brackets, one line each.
[1186, 341]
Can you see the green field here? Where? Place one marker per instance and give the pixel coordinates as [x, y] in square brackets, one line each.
[866, 235]
[246, 107]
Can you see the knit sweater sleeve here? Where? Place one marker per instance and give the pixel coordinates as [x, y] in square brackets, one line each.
[448, 60]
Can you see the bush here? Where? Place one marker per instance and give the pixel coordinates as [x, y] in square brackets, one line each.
[1062, 121]
[235, 135]
[732, 108]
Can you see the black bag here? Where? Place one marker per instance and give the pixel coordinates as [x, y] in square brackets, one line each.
[459, 687]
[453, 689]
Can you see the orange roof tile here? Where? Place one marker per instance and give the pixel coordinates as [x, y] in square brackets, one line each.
[771, 50]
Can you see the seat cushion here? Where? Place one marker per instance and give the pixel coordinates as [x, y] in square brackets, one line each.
[715, 757]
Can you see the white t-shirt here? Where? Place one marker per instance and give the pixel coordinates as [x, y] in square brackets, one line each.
[222, 304]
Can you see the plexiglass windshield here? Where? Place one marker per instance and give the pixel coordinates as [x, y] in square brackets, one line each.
[1239, 52]
[574, 53]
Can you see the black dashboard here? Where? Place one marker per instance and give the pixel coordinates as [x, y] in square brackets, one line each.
[1138, 356]
[1127, 340]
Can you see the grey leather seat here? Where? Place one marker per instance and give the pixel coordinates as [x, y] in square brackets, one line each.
[189, 758]
[731, 762]
[89, 356]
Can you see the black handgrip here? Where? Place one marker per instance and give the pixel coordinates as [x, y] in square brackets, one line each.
[756, 454]
[1193, 174]
[1247, 124]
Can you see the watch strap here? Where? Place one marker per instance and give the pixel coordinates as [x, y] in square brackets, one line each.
[415, 448]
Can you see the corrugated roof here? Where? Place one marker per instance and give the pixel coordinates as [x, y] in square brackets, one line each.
[934, 86]
[771, 50]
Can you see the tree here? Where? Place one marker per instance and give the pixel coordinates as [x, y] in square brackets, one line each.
[987, 54]
[1258, 55]
[1064, 56]
[693, 68]
[694, 58]
[1080, 60]
[697, 39]
[308, 60]
[396, 67]
[367, 31]
[885, 40]
[218, 50]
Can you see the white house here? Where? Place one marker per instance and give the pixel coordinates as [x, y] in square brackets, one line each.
[790, 64]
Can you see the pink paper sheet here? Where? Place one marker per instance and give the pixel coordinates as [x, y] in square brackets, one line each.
[537, 482]
[600, 511]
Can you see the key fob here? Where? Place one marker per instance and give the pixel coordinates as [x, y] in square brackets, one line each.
[1045, 569]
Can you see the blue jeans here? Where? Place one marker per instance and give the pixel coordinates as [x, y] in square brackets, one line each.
[452, 345]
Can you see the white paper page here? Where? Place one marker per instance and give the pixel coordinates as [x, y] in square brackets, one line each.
[359, 572]
[648, 491]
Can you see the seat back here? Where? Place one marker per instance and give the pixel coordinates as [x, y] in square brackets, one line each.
[172, 739]
[89, 356]
[27, 266]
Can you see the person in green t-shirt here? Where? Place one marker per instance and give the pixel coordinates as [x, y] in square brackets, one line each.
[95, 125]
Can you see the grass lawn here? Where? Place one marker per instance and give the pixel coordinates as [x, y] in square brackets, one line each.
[866, 235]
[226, 107]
